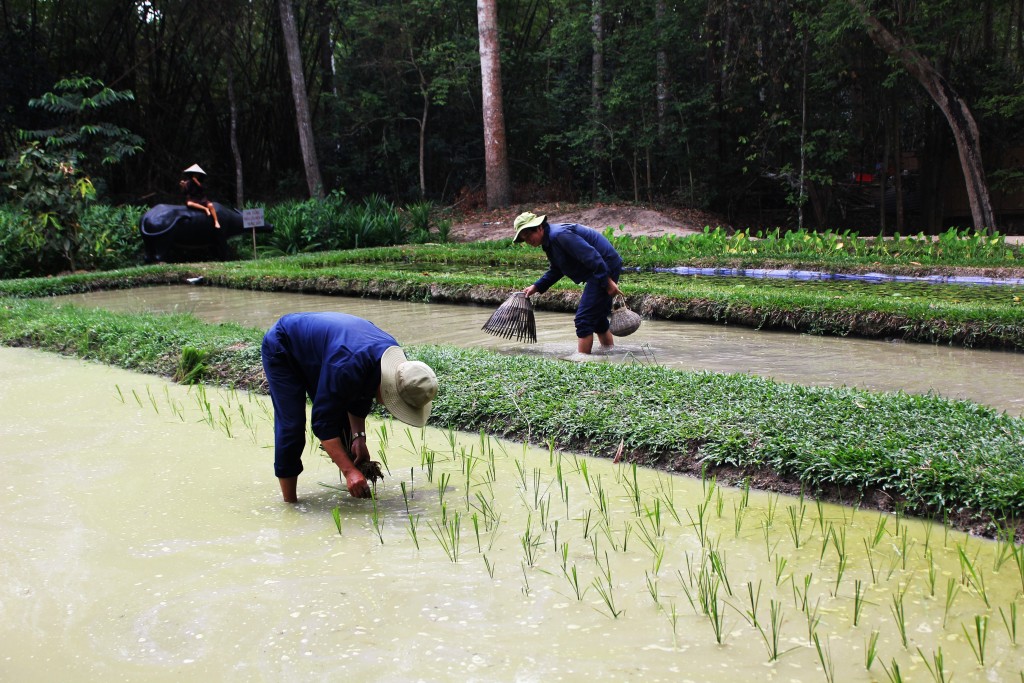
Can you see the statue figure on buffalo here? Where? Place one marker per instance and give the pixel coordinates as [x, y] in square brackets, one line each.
[172, 232]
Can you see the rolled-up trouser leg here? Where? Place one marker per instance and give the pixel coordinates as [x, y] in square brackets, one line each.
[594, 309]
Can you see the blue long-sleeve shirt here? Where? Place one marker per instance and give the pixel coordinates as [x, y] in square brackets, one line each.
[580, 253]
[337, 356]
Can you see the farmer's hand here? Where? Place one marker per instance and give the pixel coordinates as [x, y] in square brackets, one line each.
[359, 453]
[357, 484]
[613, 288]
[530, 291]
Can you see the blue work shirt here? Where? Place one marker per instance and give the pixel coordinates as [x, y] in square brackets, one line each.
[580, 253]
[337, 358]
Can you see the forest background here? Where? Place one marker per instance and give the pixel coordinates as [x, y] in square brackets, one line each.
[768, 113]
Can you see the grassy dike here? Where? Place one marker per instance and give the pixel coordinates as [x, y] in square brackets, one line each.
[923, 455]
[485, 273]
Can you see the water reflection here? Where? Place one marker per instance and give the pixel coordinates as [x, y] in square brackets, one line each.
[144, 539]
[990, 377]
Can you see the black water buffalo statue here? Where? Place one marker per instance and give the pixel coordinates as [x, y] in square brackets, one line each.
[177, 232]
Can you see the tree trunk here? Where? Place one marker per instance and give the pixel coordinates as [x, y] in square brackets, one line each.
[953, 107]
[597, 88]
[302, 117]
[661, 68]
[499, 189]
[236, 153]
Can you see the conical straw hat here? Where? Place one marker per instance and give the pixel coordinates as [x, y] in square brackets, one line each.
[194, 168]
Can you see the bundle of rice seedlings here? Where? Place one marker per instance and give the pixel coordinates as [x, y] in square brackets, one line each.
[513, 319]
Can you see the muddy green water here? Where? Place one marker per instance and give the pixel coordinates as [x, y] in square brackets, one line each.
[989, 377]
[143, 538]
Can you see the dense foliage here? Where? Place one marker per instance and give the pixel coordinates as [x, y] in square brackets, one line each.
[763, 111]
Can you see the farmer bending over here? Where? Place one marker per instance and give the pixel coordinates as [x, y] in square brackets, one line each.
[585, 256]
[341, 363]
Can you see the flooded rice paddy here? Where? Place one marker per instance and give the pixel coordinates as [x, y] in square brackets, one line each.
[992, 378]
[144, 539]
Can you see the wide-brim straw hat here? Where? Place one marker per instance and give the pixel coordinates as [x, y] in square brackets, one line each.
[407, 387]
[525, 221]
[194, 168]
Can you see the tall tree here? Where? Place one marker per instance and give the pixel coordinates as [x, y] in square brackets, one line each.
[953, 107]
[299, 94]
[499, 187]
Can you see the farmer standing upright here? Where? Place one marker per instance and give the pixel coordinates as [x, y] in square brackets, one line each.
[586, 257]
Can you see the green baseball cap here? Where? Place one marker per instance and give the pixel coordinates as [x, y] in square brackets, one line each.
[525, 221]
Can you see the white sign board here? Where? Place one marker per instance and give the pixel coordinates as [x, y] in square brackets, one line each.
[252, 218]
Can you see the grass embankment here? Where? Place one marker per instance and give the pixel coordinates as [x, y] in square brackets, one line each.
[484, 273]
[922, 454]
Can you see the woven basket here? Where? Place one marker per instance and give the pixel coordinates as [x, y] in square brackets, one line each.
[624, 321]
[513, 319]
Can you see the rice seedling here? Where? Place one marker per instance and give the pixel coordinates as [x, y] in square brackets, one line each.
[545, 511]
[771, 634]
[1010, 621]
[586, 523]
[813, 617]
[653, 515]
[825, 657]
[652, 588]
[718, 565]
[879, 533]
[753, 599]
[979, 638]
[442, 486]
[858, 601]
[485, 506]
[871, 650]
[1005, 545]
[839, 541]
[796, 523]
[871, 562]
[447, 533]
[476, 530]
[605, 589]
[586, 475]
[899, 615]
[780, 568]
[932, 572]
[673, 618]
[526, 581]
[120, 396]
[336, 514]
[700, 525]
[951, 592]
[378, 519]
[530, 543]
[770, 510]
[225, 422]
[802, 598]
[405, 496]
[413, 524]
[573, 577]
[489, 565]
[719, 503]
[936, 666]
[137, 399]
[737, 518]
[972, 575]
[893, 674]
[1018, 559]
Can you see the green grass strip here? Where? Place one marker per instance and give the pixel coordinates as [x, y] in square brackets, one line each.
[933, 455]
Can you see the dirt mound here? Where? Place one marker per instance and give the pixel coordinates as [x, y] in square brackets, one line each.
[633, 220]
